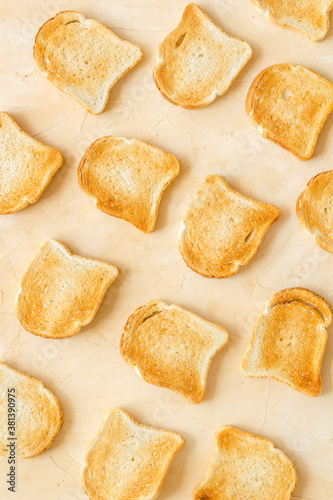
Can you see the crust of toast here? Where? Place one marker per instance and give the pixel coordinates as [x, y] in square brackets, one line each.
[306, 296]
[309, 17]
[127, 178]
[128, 460]
[289, 105]
[246, 466]
[89, 60]
[222, 229]
[38, 415]
[314, 209]
[27, 166]
[60, 292]
[289, 340]
[171, 347]
[198, 61]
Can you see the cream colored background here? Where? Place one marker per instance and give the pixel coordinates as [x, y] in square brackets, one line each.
[86, 372]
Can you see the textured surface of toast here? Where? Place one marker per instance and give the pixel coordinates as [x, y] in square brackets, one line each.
[127, 460]
[289, 105]
[171, 347]
[38, 416]
[198, 61]
[126, 178]
[27, 166]
[83, 57]
[289, 340]
[314, 209]
[246, 467]
[223, 229]
[310, 17]
[61, 292]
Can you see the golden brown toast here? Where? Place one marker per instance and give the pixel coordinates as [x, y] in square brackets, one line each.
[289, 105]
[27, 166]
[309, 17]
[246, 467]
[60, 292]
[314, 209]
[83, 57]
[37, 413]
[127, 178]
[127, 460]
[171, 347]
[222, 229]
[289, 340]
[198, 61]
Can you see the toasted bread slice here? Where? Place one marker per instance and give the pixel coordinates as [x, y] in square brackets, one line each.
[289, 105]
[127, 460]
[83, 57]
[309, 17]
[246, 467]
[27, 166]
[171, 347]
[198, 61]
[223, 229]
[127, 178]
[289, 340]
[315, 211]
[35, 414]
[61, 292]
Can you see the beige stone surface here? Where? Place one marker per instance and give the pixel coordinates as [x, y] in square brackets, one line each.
[86, 372]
